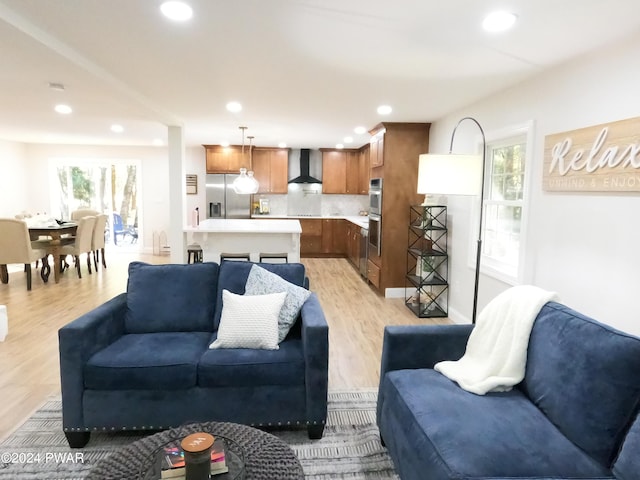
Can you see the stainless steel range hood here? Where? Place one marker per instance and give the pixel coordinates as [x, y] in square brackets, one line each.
[304, 176]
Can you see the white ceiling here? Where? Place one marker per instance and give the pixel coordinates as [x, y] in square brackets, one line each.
[306, 71]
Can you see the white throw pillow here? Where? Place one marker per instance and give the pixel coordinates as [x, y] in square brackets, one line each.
[261, 281]
[249, 321]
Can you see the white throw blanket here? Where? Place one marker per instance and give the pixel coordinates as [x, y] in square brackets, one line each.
[496, 353]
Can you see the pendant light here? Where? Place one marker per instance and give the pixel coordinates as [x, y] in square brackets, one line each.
[246, 184]
[252, 182]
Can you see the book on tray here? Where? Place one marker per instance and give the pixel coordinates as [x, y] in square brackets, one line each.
[173, 464]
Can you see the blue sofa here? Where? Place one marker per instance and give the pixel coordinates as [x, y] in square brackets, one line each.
[141, 360]
[574, 416]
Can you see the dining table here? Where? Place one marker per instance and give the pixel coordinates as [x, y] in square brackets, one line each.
[55, 232]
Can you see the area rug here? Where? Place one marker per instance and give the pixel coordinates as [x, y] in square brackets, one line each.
[350, 448]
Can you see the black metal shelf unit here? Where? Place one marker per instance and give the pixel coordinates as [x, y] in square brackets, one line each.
[426, 280]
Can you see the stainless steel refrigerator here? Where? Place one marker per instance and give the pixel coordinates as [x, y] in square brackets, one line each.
[223, 201]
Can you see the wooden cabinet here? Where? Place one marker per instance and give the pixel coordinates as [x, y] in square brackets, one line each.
[226, 159]
[323, 237]
[310, 246]
[352, 243]
[279, 170]
[364, 170]
[333, 236]
[270, 165]
[261, 166]
[394, 150]
[270, 168]
[373, 273]
[341, 172]
[334, 171]
[349, 245]
[353, 173]
[376, 149]
[311, 237]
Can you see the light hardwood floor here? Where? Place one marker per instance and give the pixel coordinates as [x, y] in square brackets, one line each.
[29, 365]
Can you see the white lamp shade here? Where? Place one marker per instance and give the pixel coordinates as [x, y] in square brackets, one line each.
[450, 174]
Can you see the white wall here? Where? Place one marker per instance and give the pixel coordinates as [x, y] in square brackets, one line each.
[14, 179]
[195, 164]
[584, 246]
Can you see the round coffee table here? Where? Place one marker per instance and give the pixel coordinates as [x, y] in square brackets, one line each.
[266, 457]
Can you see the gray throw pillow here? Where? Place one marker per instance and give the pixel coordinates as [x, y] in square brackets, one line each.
[263, 282]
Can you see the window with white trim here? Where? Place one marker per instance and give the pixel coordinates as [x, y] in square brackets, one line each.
[504, 207]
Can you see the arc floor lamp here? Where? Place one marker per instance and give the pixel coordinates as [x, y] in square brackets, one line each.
[453, 174]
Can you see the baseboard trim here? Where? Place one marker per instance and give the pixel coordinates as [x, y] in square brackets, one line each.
[456, 317]
[394, 293]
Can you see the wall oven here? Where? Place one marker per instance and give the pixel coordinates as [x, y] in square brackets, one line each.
[375, 196]
[375, 233]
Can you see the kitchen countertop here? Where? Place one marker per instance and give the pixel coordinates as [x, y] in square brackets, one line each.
[245, 225]
[360, 220]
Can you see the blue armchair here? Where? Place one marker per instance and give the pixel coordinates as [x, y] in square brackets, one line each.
[141, 360]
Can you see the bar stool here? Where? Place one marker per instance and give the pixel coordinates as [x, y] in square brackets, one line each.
[194, 251]
[235, 256]
[282, 256]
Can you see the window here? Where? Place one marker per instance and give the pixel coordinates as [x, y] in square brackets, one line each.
[108, 186]
[505, 206]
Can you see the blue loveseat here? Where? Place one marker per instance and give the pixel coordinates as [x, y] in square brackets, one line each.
[142, 359]
[574, 416]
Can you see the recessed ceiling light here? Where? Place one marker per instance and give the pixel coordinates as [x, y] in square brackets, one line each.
[63, 109]
[282, 145]
[384, 110]
[117, 128]
[234, 107]
[498, 21]
[360, 130]
[177, 11]
[348, 139]
[339, 145]
[158, 142]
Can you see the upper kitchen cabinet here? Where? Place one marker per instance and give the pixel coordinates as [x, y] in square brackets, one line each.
[364, 170]
[270, 168]
[226, 159]
[341, 171]
[334, 171]
[376, 147]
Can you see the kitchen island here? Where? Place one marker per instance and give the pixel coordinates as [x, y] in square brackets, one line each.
[217, 236]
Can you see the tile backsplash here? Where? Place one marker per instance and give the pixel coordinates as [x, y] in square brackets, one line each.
[304, 199]
[309, 200]
[344, 204]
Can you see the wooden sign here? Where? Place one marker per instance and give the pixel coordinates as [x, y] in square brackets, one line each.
[603, 158]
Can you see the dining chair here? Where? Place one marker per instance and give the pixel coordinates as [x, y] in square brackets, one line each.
[77, 215]
[16, 247]
[118, 228]
[83, 212]
[97, 241]
[82, 243]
